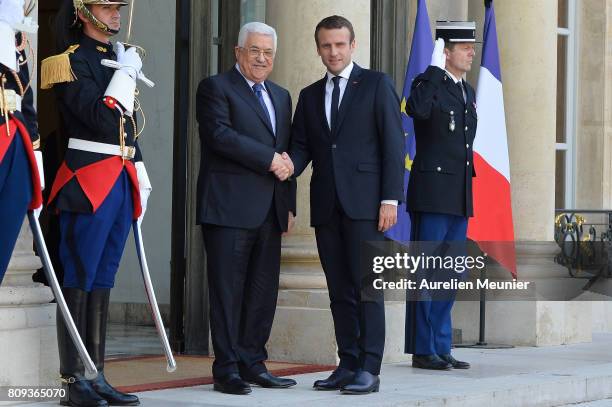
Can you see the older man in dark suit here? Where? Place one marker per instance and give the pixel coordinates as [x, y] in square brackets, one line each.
[348, 124]
[244, 204]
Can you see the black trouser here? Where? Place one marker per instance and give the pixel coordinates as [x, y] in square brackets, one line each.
[243, 273]
[359, 324]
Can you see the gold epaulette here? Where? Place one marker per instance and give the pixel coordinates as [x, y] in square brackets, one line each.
[57, 69]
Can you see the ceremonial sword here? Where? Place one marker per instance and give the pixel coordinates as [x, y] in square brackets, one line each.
[146, 276]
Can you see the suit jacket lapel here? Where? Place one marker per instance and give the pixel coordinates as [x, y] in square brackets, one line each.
[243, 89]
[347, 98]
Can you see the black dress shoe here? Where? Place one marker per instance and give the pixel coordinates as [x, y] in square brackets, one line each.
[432, 362]
[336, 380]
[232, 384]
[456, 364]
[268, 380]
[113, 396]
[79, 393]
[363, 383]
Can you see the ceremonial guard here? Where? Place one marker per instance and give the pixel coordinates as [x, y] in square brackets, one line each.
[20, 160]
[443, 106]
[101, 187]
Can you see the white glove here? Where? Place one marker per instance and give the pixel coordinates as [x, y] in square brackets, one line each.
[129, 59]
[130, 62]
[11, 12]
[41, 173]
[144, 184]
[123, 84]
[39, 163]
[437, 57]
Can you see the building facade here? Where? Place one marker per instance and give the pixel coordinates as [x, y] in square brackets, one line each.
[556, 63]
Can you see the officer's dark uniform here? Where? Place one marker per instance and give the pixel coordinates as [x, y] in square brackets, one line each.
[439, 190]
[97, 198]
[445, 127]
[19, 177]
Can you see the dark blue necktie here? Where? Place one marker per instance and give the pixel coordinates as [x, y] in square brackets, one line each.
[258, 89]
[335, 102]
[461, 90]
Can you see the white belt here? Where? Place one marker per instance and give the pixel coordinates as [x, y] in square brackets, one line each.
[102, 148]
[13, 100]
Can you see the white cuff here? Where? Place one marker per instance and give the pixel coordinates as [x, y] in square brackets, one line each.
[8, 50]
[389, 202]
[39, 163]
[122, 88]
[143, 177]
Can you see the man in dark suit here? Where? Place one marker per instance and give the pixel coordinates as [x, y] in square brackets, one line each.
[443, 107]
[244, 204]
[348, 124]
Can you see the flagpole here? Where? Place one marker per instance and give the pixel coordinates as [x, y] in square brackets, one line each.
[482, 343]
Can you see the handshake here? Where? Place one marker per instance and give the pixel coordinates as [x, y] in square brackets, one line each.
[282, 166]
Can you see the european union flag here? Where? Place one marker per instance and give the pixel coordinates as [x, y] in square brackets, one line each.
[420, 57]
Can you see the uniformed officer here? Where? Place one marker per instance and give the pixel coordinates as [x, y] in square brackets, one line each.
[102, 185]
[20, 160]
[443, 107]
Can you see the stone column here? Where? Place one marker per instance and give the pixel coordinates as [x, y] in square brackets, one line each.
[607, 64]
[28, 340]
[27, 318]
[594, 125]
[529, 71]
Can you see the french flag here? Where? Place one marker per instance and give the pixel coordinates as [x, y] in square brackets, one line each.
[492, 224]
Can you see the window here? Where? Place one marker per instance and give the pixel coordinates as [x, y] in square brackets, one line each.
[565, 159]
[252, 10]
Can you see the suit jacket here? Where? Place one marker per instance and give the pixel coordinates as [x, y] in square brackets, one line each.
[361, 162]
[235, 186]
[443, 167]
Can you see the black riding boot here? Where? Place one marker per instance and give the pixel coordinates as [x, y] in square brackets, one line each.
[78, 390]
[97, 314]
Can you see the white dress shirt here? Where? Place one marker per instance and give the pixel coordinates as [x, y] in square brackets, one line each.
[266, 98]
[329, 88]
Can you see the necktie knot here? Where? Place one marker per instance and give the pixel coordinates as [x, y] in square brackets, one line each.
[336, 80]
[258, 88]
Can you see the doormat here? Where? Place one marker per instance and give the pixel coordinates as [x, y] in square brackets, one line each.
[146, 373]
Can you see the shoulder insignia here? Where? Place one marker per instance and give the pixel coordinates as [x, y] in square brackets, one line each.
[56, 69]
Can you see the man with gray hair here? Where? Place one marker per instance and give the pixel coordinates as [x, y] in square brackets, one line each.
[245, 201]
